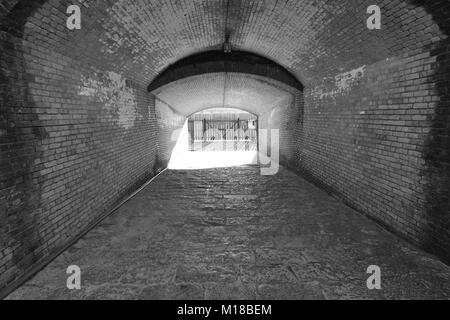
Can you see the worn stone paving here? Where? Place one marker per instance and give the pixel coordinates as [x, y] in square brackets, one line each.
[231, 233]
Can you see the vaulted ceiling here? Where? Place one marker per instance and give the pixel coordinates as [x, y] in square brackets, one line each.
[141, 38]
[216, 90]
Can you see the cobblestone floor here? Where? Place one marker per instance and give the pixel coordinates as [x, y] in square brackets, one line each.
[234, 234]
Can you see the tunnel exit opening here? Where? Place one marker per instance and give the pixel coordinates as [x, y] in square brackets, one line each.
[223, 130]
[217, 138]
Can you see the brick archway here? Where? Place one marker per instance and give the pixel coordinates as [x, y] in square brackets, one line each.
[219, 61]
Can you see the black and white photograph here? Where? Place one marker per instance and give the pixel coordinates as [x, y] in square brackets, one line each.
[224, 156]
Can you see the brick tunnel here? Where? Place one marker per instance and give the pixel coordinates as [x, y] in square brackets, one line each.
[91, 117]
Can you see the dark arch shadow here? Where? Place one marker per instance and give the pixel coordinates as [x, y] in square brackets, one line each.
[218, 61]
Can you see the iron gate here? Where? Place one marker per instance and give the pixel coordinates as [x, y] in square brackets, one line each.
[213, 133]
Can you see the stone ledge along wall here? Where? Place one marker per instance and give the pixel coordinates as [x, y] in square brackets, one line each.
[76, 137]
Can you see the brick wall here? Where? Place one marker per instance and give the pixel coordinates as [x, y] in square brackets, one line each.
[376, 132]
[75, 139]
[170, 124]
[380, 141]
[78, 130]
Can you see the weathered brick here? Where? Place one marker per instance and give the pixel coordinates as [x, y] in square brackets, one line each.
[79, 131]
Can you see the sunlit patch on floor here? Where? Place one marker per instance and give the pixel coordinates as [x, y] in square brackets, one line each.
[213, 159]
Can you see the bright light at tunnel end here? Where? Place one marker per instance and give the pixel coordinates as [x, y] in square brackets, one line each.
[183, 159]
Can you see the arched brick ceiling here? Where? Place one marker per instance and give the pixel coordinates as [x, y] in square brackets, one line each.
[250, 93]
[311, 38]
[230, 62]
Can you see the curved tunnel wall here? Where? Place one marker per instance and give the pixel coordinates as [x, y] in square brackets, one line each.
[255, 94]
[76, 138]
[79, 130]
